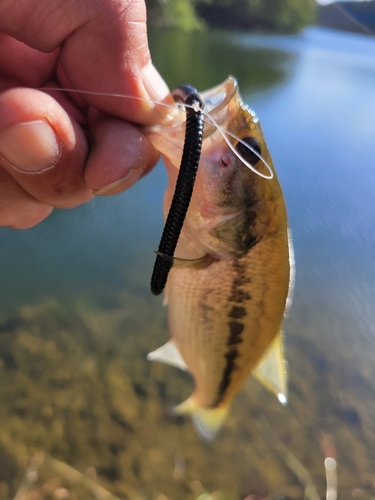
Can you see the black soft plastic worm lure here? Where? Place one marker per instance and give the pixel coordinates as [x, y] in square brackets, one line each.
[194, 105]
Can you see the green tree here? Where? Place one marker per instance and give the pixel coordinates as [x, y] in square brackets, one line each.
[173, 13]
[283, 16]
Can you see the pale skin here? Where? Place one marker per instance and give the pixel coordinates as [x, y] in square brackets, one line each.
[58, 149]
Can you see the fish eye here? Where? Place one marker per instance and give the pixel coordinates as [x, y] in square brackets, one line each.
[247, 153]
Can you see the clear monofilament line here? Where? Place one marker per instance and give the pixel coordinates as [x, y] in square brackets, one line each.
[225, 134]
[108, 94]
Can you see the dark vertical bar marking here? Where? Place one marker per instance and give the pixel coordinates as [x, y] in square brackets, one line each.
[235, 326]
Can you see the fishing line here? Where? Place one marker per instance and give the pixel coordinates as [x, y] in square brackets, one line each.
[189, 98]
[224, 135]
[194, 105]
[107, 94]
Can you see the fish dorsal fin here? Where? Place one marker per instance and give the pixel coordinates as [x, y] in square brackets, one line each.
[271, 370]
[168, 354]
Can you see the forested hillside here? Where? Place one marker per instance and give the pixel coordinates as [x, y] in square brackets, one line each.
[283, 16]
[348, 16]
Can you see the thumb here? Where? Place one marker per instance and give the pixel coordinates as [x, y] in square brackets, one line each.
[103, 48]
[42, 148]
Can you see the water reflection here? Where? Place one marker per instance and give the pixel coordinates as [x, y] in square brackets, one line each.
[78, 318]
[188, 57]
[96, 249]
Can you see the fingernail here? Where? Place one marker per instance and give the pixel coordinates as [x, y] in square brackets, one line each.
[30, 147]
[121, 185]
[154, 84]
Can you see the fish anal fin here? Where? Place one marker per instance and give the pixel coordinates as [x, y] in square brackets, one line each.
[178, 262]
[271, 370]
[168, 354]
[207, 422]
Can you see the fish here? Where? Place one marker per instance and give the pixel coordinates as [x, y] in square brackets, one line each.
[232, 276]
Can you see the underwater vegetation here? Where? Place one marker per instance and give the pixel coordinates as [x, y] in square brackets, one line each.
[77, 387]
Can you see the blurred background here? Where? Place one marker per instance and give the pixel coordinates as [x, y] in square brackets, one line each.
[77, 318]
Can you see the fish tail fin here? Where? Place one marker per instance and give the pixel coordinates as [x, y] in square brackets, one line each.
[207, 422]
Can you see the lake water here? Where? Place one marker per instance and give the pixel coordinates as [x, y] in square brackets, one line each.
[77, 318]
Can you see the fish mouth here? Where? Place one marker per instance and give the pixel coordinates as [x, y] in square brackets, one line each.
[220, 104]
[217, 98]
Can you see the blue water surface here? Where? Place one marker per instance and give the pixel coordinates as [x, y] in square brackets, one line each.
[315, 96]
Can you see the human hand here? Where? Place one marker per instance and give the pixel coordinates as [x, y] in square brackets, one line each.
[57, 149]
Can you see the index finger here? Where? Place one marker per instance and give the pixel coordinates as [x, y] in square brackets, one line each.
[104, 48]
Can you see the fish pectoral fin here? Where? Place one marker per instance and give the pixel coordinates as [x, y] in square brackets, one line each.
[168, 354]
[207, 422]
[166, 295]
[271, 370]
[180, 263]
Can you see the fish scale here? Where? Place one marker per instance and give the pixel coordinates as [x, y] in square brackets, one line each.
[204, 339]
